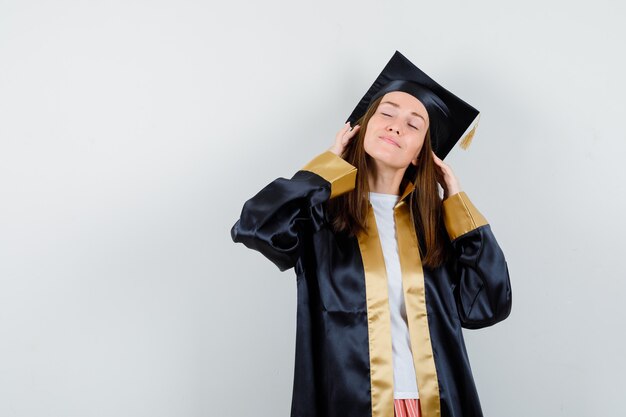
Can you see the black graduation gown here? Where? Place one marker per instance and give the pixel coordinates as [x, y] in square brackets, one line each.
[343, 358]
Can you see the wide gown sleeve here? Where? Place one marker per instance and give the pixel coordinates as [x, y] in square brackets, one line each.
[481, 287]
[272, 222]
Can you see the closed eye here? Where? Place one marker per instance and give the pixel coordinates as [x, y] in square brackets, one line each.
[388, 115]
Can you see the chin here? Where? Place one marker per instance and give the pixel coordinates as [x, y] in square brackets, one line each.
[387, 158]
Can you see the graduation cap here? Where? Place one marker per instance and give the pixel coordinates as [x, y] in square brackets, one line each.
[451, 119]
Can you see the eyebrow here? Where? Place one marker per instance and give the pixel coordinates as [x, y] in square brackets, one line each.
[397, 105]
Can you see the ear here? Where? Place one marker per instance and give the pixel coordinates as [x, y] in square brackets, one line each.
[414, 161]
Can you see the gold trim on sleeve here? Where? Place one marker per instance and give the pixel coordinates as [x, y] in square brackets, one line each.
[337, 171]
[378, 319]
[416, 312]
[460, 215]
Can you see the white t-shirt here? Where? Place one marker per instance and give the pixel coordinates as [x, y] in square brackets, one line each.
[404, 378]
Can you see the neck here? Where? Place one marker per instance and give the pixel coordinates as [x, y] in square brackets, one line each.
[385, 180]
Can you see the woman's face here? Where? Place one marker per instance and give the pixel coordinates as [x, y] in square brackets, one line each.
[396, 131]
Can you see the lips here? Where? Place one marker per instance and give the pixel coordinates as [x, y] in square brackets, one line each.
[388, 139]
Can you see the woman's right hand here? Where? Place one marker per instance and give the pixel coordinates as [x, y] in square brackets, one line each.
[343, 137]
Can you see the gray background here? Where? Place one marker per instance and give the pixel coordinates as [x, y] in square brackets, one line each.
[132, 132]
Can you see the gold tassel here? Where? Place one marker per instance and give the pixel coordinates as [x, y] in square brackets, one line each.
[467, 140]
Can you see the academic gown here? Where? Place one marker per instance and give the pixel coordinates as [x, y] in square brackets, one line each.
[343, 357]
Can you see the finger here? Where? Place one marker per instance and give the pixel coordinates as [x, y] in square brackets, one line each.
[349, 135]
[440, 162]
[353, 130]
[344, 129]
[347, 138]
[436, 159]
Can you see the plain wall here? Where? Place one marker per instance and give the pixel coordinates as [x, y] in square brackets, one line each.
[132, 132]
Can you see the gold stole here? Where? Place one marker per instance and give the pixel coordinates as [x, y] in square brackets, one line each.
[379, 319]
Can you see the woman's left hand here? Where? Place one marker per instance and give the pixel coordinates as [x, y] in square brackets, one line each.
[449, 182]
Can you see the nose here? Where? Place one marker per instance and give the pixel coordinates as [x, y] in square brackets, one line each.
[392, 125]
[393, 129]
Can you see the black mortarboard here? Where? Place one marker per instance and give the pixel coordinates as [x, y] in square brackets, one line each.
[451, 119]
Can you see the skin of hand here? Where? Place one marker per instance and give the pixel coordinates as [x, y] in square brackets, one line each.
[343, 137]
[446, 178]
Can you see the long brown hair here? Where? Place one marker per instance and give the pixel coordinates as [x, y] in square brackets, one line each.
[348, 211]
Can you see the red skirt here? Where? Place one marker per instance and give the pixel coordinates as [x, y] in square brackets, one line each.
[407, 407]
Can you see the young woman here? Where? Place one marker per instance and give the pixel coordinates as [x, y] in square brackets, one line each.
[387, 271]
